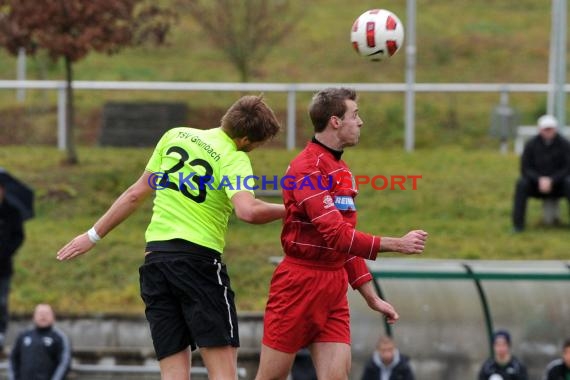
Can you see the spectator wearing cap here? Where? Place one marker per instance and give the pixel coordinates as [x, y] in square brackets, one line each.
[545, 169]
[503, 365]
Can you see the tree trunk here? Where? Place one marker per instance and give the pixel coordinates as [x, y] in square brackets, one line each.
[71, 157]
[243, 68]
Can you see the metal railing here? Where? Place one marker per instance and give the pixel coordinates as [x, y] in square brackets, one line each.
[469, 270]
[115, 369]
[291, 89]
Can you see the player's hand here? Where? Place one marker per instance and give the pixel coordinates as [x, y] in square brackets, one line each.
[413, 242]
[78, 246]
[385, 308]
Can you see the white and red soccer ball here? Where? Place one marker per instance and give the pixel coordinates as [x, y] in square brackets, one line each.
[377, 34]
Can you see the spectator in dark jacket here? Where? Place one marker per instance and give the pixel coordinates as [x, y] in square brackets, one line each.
[11, 238]
[503, 366]
[545, 169]
[42, 352]
[303, 367]
[559, 369]
[387, 363]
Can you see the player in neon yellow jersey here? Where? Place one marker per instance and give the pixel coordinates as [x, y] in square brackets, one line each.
[195, 176]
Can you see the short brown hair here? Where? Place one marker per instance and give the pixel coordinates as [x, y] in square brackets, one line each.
[328, 103]
[250, 117]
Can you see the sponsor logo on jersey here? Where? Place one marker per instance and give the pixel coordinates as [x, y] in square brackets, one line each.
[328, 201]
[344, 203]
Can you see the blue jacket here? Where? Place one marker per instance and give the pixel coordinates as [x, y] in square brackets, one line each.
[40, 354]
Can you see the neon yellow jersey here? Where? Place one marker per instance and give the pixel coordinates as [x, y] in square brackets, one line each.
[196, 174]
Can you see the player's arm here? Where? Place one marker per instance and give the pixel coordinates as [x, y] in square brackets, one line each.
[412, 242]
[376, 303]
[360, 279]
[342, 236]
[120, 210]
[255, 211]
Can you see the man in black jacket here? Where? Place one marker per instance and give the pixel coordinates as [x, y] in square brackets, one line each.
[559, 369]
[387, 363]
[545, 169]
[42, 352]
[503, 365]
[11, 238]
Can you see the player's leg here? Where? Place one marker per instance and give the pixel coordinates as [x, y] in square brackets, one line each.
[221, 362]
[274, 364]
[169, 331]
[330, 349]
[209, 308]
[331, 360]
[176, 367]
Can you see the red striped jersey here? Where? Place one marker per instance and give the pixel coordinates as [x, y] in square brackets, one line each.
[320, 221]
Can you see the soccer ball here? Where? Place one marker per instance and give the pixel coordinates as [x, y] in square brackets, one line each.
[377, 34]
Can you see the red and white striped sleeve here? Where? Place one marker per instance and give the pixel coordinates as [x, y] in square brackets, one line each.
[357, 271]
[318, 205]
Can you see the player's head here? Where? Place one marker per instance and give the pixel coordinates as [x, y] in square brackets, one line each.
[502, 346]
[334, 110]
[328, 103]
[43, 315]
[386, 349]
[566, 352]
[250, 122]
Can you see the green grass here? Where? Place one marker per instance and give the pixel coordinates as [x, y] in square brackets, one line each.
[463, 200]
[457, 41]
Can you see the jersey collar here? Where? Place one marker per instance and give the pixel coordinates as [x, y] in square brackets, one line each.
[336, 153]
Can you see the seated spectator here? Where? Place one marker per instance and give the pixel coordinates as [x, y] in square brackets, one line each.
[387, 363]
[41, 352]
[545, 169]
[503, 366]
[559, 369]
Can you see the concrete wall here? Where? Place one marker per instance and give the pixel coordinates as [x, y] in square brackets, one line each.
[455, 351]
[442, 326]
[116, 340]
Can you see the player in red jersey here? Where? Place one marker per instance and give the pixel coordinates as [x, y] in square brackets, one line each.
[308, 305]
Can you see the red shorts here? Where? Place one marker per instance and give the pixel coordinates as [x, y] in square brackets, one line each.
[307, 304]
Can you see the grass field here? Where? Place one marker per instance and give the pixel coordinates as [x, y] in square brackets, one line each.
[463, 200]
[486, 41]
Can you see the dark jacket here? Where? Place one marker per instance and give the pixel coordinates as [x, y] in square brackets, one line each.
[11, 237]
[40, 354]
[401, 371]
[514, 370]
[557, 370]
[303, 368]
[541, 159]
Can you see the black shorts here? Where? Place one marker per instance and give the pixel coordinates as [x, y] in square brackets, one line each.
[189, 302]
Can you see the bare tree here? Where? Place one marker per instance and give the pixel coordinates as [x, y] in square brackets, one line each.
[246, 30]
[71, 29]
